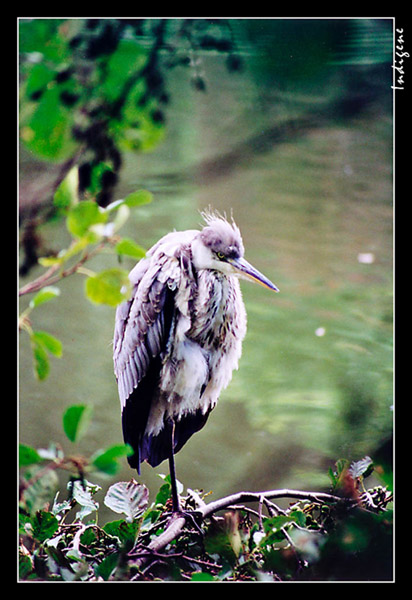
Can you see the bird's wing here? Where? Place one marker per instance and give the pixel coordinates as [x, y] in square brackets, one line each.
[143, 338]
[143, 322]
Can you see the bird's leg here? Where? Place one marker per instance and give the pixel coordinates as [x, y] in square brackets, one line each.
[175, 496]
[172, 470]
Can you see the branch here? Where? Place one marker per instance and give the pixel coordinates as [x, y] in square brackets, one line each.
[50, 277]
[223, 503]
[178, 521]
[37, 284]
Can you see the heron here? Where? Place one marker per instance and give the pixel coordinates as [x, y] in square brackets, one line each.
[179, 337]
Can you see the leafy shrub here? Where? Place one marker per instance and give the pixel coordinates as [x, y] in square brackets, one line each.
[343, 535]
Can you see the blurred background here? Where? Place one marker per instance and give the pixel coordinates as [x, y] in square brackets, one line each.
[286, 122]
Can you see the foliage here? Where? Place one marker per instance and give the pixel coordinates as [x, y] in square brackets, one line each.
[345, 535]
[91, 90]
[104, 78]
[93, 230]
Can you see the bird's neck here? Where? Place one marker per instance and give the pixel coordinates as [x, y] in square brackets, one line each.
[200, 255]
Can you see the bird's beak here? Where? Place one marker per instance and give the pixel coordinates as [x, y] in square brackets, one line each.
[246, 271]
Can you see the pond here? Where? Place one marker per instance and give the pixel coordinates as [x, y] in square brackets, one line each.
[314, 206]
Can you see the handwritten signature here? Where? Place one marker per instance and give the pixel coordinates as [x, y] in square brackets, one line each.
[398, 66]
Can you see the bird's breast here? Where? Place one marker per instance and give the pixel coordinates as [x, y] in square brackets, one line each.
[218, 317]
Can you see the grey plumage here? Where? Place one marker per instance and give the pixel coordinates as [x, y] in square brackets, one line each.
[179, 337]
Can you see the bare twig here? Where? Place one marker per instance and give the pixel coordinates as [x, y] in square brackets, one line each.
[239, 497]
[273, 509]
[52, 275]
[37, 284]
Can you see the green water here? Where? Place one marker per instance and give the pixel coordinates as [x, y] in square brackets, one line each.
[315, 211]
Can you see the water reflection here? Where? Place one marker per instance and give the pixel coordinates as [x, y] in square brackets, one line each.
[315, 378]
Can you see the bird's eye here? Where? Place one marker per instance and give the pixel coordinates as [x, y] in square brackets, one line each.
[220, 255]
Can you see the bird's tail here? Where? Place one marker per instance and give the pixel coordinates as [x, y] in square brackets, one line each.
[157, 448]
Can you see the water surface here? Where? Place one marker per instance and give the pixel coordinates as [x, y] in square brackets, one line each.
[315, 210]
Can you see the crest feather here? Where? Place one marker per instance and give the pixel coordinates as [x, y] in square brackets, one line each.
[212, 216]
[218, 230]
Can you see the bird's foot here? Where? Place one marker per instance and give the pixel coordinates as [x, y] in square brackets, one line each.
[195, 517]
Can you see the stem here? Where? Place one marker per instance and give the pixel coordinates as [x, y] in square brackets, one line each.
[85, 271]
[24, 485]
[66, 462]
[50, 277]
[24, 322]
[37, 284]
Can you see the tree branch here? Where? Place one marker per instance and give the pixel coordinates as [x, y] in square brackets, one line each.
[51, 276]
[178, 521]
[239, 497]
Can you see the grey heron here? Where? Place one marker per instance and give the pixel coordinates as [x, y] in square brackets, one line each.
[179, 337]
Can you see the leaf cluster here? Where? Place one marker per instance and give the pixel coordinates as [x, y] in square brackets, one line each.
[93, 229]
[319, 537]
[92, 89]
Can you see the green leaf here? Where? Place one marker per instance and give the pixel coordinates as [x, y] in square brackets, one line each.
[138, 198]
[163, 494]
[40, 75]
[147, 134]
[337, 477]
[66, 194]
[82, 216]
[299, 517]
[123, 63]
[25, 566]
[107, 287]
[75, 248]
[28, 455]
[49, 261]
[47, 132]
[96, 176]
[107, 460]
[332, 476]
[89, 536]
[202, 577]
[24, 520]
[130, 498]
[43, 342]
[44, 525]
[128, 247]
[277, 522]
[273, 529]
[49, 342]
[41, 361]
[76, 420]
[44, 295]
[124, 530]
[107, 566]
[43, 35]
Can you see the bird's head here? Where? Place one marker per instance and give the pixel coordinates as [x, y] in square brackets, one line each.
[219, 247]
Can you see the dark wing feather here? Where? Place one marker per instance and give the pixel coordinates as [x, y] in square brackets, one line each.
[155, 449]
[141, 332]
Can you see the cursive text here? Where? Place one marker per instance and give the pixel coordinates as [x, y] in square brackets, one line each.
[399, 59]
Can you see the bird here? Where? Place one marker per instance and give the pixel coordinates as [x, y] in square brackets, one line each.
[178, 337]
